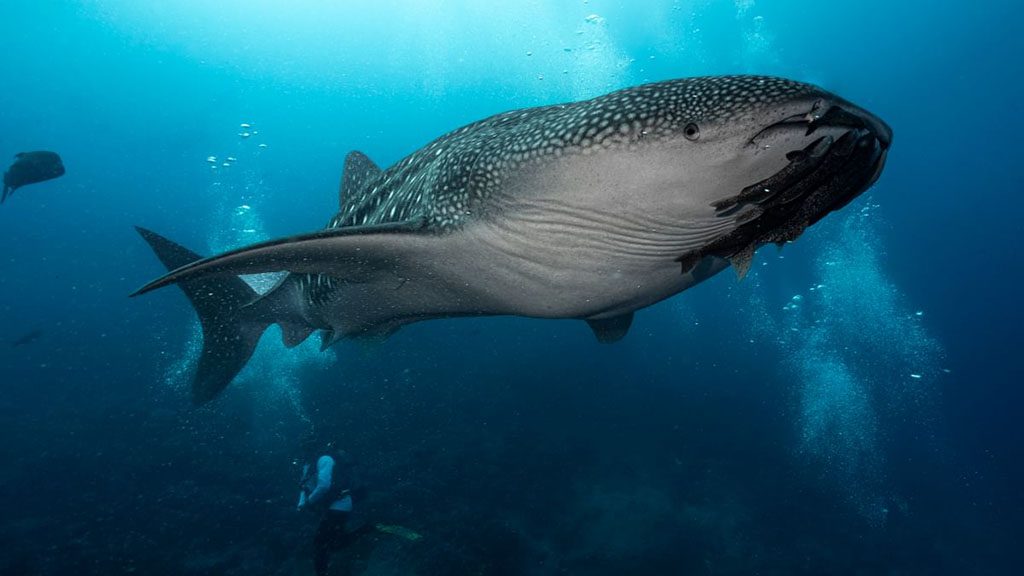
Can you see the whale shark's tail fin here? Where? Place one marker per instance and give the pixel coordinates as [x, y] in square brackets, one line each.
[230, 329]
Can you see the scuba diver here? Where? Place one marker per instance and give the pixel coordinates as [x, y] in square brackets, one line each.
[329, 486]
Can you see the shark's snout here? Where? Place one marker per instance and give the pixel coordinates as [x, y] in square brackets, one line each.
[825, 115]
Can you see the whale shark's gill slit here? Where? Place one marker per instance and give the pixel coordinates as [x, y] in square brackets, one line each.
[636, 237]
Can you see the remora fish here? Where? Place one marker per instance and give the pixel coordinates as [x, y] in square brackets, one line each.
[30, 168]
[589, 210]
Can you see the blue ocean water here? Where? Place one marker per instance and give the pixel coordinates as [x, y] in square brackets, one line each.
[852, 407]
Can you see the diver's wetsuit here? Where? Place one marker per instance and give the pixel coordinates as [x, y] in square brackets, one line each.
[334, 531]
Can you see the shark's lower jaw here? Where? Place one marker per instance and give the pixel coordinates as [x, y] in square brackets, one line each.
[863, 169]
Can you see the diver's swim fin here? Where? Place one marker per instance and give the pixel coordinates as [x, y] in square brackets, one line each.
[400, 531]
[230, 331]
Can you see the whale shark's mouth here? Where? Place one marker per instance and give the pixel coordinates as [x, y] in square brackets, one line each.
[822, 177]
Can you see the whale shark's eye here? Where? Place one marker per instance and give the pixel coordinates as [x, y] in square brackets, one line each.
[691, 131]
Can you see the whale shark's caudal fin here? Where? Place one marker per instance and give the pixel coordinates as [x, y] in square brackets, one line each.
[231, 330]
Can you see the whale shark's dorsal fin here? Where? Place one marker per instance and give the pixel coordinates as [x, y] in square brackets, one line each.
[359, 170]
[612, 329]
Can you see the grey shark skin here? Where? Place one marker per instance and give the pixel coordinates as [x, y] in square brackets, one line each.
[589, 210]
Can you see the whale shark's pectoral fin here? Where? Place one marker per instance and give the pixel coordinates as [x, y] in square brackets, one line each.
[328, 338]
[294, 334]
[354, 254]
[612, 329]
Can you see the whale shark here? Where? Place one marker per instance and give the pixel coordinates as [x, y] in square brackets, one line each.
[587, 210]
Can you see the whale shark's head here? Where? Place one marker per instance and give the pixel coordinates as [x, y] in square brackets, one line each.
[748, 160]
[791, 142]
